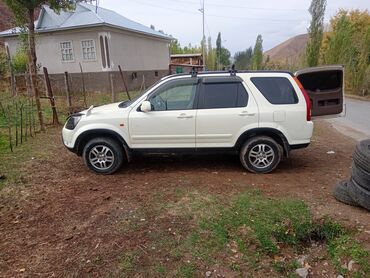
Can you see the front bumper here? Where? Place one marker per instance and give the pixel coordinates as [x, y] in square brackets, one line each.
[67, 139]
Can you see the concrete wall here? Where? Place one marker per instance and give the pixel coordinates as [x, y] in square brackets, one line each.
[95, 81]
[134, 52]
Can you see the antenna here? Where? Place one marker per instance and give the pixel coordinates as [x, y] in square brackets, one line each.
[96, 6]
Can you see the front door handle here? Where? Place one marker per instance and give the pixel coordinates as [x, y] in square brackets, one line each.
[184, 116]
[246, 113]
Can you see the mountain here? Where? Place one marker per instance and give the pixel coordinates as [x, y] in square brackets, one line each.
[288, 51]
[6, 18]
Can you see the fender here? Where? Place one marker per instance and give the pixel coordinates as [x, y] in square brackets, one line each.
[83, 138]
[275, 134]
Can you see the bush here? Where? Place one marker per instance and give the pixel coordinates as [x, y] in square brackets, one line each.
[19, 62]
[3, 64]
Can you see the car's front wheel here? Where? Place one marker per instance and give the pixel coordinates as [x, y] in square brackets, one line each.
[260, 154]
[103, 155]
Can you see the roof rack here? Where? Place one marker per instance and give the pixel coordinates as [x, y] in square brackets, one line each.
[194, 72]
[232, 72]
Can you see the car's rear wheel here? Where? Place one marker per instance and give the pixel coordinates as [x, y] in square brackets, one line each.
[103, 155]
[260, 154]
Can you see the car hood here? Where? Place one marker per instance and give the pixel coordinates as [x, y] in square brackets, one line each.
[107, 108]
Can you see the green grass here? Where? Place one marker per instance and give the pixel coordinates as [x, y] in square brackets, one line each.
[345, 248]
[254, 227]
[31, 146]
[127, 263]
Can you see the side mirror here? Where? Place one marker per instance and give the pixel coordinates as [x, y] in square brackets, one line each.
[146, 106]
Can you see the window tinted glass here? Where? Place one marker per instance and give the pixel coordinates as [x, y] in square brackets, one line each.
[174, 97]
[277, 90]
[224, 95]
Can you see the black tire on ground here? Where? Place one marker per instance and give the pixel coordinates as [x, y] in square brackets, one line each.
[360, 176]
[270, 151]
[361, 155]
[360, 195]
[97, 146]
[341, 193]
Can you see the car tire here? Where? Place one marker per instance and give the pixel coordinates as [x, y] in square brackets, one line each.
[103, 155]
[340, 192]
[260, 154]
[359, 194]
[360, 176]
[361, 155]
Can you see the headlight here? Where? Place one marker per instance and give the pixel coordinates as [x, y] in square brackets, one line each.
[73, 121]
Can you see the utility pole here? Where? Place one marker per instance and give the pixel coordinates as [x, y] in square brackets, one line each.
[203, 39]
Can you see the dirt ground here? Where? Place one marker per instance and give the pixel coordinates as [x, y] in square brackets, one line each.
[67, 221]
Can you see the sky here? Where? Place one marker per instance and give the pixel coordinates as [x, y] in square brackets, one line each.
[239, 21]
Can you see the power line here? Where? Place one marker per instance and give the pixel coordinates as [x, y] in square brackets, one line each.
[244, 7]
[215, 15]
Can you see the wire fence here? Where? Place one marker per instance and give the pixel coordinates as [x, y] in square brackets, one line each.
[18, 111]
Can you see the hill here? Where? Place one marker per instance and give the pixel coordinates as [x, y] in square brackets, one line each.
[6, 18]
[290, 50]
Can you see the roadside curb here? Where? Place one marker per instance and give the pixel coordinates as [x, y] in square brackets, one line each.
[357, 97]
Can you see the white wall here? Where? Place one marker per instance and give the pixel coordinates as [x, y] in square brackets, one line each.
[135, 52]
[132, 51]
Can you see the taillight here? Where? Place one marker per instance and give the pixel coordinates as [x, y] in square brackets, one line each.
[306, 97]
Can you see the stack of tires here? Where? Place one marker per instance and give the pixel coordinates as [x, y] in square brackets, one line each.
[356, 190]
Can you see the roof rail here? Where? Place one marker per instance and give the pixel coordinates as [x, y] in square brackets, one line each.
[232, 72]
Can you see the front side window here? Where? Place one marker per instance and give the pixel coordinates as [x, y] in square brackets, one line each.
[88, 50]
[66, 51]
[177, 96]
[277, 90]
[223, 95]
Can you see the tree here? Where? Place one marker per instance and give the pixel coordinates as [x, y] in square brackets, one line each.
[218, 49]
[211, 56]
[24, 14]
[243, 59]
[348, 43]
[175, 47]
[315, 32]
[257, 54]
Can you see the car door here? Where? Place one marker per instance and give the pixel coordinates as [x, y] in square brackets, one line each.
[225, 111]
[171, 121]
[325, 88]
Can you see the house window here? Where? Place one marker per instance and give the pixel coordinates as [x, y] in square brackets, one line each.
[104, 48]
[67, 51]
[88, 50]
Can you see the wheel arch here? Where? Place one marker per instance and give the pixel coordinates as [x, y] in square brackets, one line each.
[86, 136]
[275, 134]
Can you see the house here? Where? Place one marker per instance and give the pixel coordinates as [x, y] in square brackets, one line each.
[181, 63]
[99, 40]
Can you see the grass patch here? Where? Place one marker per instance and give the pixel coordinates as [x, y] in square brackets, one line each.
[345, 248]
[240, 233]
[187, 271]
[268, 222]
[128, 263]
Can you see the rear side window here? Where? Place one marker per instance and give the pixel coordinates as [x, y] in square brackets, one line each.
[223, 95]
[277, 90]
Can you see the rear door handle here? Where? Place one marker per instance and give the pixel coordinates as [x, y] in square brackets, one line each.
[184, 116]
[246, 113]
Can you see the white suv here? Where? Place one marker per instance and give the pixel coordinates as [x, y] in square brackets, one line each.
[261, 115]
